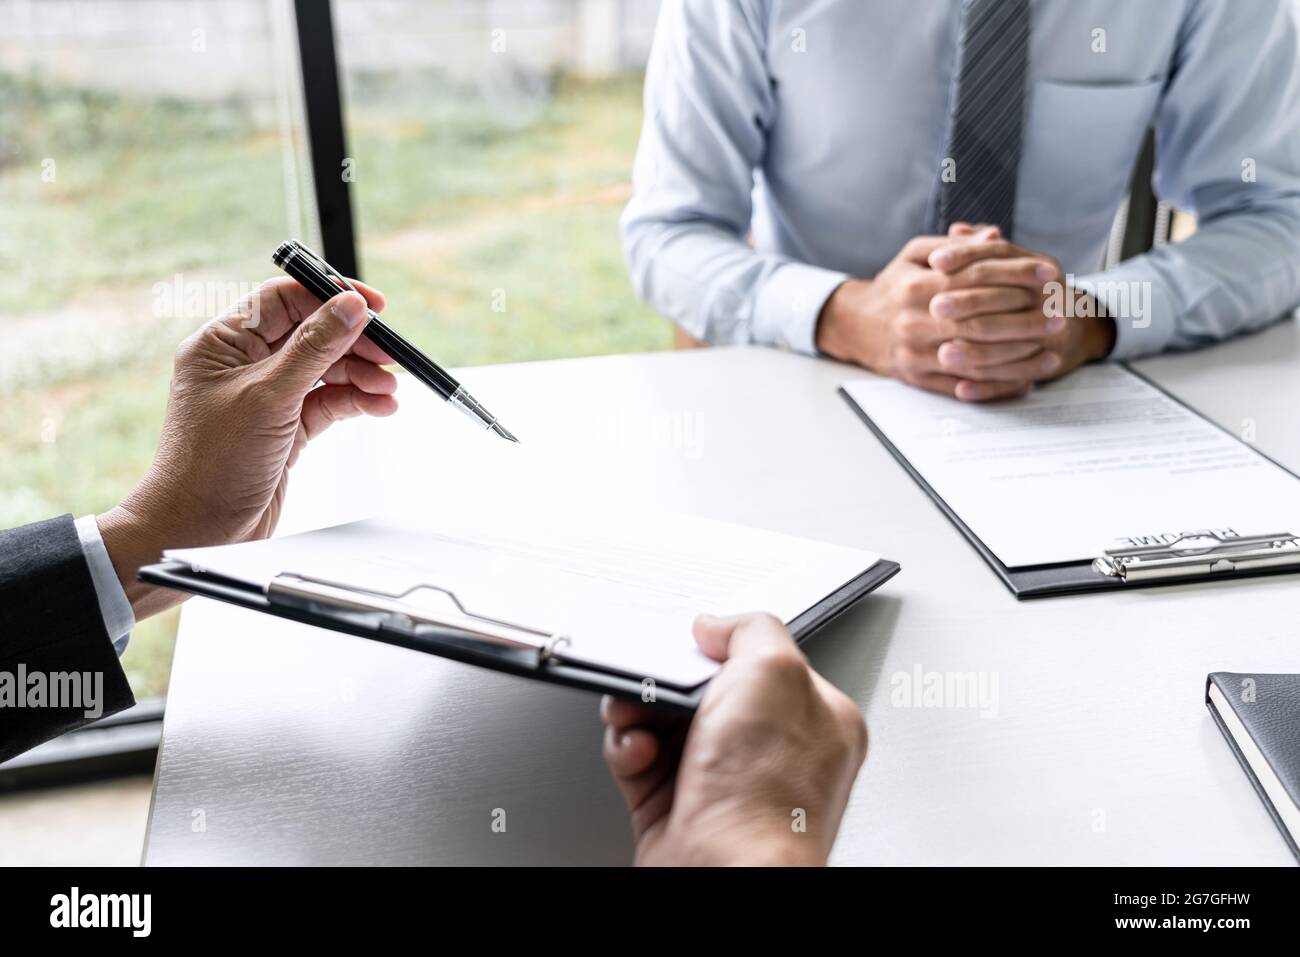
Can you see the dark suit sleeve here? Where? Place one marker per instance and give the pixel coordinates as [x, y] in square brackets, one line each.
[51, 626]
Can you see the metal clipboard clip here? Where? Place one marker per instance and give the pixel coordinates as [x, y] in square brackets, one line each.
[1200, 553]
[397, 613]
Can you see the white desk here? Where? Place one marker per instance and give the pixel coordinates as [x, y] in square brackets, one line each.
[293, 745]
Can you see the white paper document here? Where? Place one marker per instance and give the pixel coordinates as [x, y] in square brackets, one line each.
[622, 588]
[1100, 459]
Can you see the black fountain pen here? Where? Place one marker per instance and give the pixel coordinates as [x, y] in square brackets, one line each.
[325, 282]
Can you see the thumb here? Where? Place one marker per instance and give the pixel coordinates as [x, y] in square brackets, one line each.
[978, 232]
[321, 340]
[741, 635]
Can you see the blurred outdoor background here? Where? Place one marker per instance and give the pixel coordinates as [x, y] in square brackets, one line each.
[152, 156]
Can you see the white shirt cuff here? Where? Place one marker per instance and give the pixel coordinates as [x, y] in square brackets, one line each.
[113, 606]
[1140, 307]
[790, 302]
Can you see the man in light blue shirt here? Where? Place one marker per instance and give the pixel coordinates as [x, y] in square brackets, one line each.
[799, 180]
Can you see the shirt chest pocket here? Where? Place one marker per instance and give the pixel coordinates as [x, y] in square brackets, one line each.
[1079, 146]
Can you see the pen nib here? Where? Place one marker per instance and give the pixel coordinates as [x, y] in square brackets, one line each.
[505, 433]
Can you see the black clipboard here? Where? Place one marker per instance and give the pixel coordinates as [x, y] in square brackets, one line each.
[1065, 578]
[458, 645]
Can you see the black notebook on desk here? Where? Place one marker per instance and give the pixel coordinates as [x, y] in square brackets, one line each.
[1100, 481]
[1259, 716]
[598, 600]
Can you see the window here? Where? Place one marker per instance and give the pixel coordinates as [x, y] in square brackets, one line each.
[491, 151]
[150, 157]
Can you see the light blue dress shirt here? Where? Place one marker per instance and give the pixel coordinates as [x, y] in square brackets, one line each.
[113, 604]
[817, 128]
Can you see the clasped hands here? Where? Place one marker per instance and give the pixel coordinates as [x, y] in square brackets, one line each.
[969, 315]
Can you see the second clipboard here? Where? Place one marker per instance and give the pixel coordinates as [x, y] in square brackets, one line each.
[1113, 570]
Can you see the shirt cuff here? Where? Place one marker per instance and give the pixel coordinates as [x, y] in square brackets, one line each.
[1140, 306]
[113, 606]
[789, 303]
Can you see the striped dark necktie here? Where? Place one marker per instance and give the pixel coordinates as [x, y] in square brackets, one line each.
[986, 114]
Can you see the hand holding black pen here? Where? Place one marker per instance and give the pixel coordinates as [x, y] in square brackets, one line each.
[325, 282]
